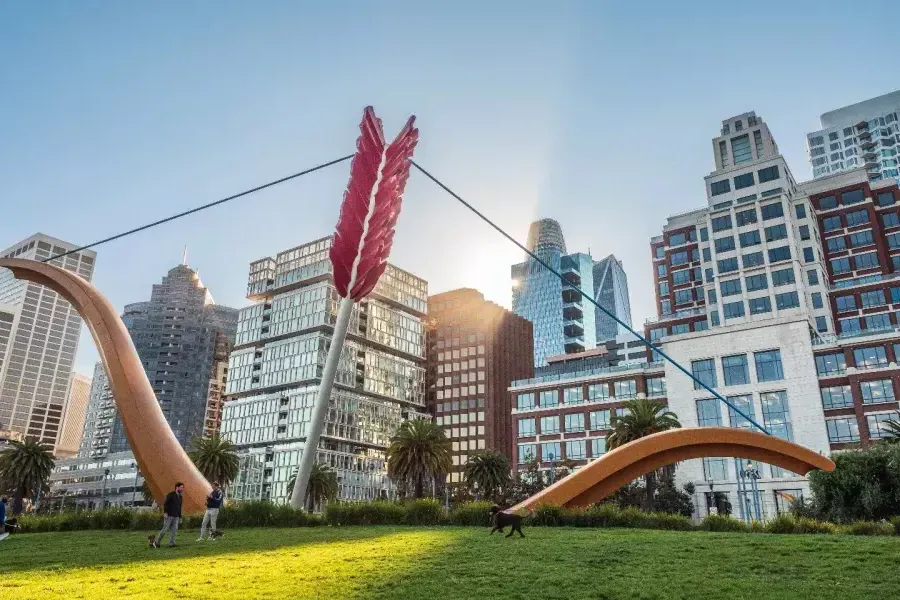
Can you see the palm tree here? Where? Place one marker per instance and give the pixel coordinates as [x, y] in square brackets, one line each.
[25, 467]
[216, 458]
[322, 486]
[642, 417]
[418, 451]
[891, 429]
[488, 471]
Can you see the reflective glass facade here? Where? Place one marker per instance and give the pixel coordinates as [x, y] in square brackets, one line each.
[611, 291]
[275, 370]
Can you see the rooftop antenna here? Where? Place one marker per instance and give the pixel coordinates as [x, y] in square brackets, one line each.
[184, 256]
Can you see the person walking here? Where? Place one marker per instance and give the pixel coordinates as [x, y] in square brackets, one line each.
[171, 515]
[213, 504]
[3, 534]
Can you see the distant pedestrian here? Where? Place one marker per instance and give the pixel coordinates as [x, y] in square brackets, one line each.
[3, 534]
[171, 515]
[213, 504]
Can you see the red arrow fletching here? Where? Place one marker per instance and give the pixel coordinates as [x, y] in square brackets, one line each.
[365, 229]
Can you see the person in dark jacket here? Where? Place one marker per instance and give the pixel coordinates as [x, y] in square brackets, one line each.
[171, 515]
[213, 504]
[3, 533]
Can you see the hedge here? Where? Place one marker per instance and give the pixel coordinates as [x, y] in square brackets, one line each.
[429, 512]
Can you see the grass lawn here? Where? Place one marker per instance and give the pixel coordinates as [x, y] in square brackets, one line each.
[447, 563]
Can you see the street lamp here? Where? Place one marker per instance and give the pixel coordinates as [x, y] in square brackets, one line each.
[752, 473]
[134, 487]
[552, 468]
[103, 493]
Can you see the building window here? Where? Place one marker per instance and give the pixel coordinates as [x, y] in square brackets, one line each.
[601, 419]
[857, 217]
[787, 300]
[526, 427]
[600, 391]
[665, 307]
[878, 322]
[753, 259]
[885, 199]
[743, 181]
[776, 416]
[827, 203]
[772, 211]
[734, 369]
[679, 258]
[832, 223]
[769, 174]
[715, 469]
[804, 232]
[845, 303]
[707, 255]
[817, 300]
[756, 282]
[757, 138]
[681, 276]
[714, 319]
[843, 430]
[704, 234]
[862, 238]
[808, 255]
[821, 324]
[812, 277]
[573, 395]
[740, 149]
[705, 371]
[893, 240]
[768, 366]
[749, 238]
[839, 266]
[866, 261]
[890, 219]
[656, 387]
[838, 396]
[828, 365]
[760, 306]
[717, 188]
[684, 296]
[598, 447]
[549, 398]
[733, 310]
[575, 450]
[876, 392]
[745, 405]
[849, 325]
[836, 244]
[872, 298]
[709, 413]
[745, 217]
[730, 287]
[724, 244]
[527, 453]
[551, 452]
[625, 389]
[712, 297]
[877, 424]
[721, 223]
[727, 265]
[775, 233]
[525, 401]
[574, 422]
[549, 425]
[779, 254]
[852, 197]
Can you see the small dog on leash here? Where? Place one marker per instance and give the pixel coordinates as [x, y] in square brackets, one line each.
[500, 520]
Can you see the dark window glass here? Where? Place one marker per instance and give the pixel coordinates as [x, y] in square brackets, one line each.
[757, 282]
[775, 233]
[750, 238]
[768, 365]
[808, 255]
[832, 223]
[777, 254]
[682, 276]
[759, 306]
[704, 234]
[787, 300]
[868, 260]
[743, 181]
[813, 277]
[872, 298]
[728, 265]
[852, 197]
[705, 371]
[893, 240]
[730, 287]
[827, 203]
[721, 223]
[733, 310]
[890, 219]
[831, 364]
[885, 199]
[804, 232]
[768, 174]
[754, 259]
[839, 266]
[772, 211]
[821, 324]
[678, 239]
[782, 277]
[734, 370]
[850, 325]
[845, 303]
[724, 244]
[707, 255]
[817, 300]
[878, 322]
[861, 238]
[836, 244]
[712, 297]
[717, 188]
[708, 273]
[801, 211]
[745, 217]
[679, 258]
[857, 217]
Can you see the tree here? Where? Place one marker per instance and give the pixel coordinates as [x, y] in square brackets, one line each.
[864, 486]
[417, 452]
[216, 458]
[488, 471]
[642, 417]
[669, 499]
[892, 430]
[322, 486]
[25, 468]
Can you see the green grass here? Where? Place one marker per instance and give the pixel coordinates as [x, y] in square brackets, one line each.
[448, 563]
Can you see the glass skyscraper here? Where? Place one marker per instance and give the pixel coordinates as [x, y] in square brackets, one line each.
[611, 291]
[564, 322]
[276, 367]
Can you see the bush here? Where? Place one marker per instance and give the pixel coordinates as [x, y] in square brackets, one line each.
[473, 514]
[722, 523]
[425, 511]
[869, 528]
[795, 524]
[865, 485]
[896, 523]
[370, 513]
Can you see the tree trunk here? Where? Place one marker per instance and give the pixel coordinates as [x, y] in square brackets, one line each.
[420, 487]
[18, 503]
[650, 483]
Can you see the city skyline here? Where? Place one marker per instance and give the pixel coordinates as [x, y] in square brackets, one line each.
[538, 128]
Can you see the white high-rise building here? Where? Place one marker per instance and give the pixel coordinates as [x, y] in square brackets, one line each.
[37, 367]
[865, 134]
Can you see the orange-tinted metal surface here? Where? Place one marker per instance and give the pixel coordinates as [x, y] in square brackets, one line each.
[159, 456]
[616, 468]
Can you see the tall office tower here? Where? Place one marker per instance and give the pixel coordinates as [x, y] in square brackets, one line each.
[100, 418]
[862, 135]
[562, 322]
[39, 359]
[475, 350]
[741, 294]
[179, 336]
[275, 371]
[611, 291]
[73, 417]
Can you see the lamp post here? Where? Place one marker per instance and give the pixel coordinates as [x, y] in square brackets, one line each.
[751, 473]
[552, 468]
[137, 472]
[103, 493]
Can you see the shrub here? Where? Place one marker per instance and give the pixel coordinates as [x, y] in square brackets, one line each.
[869, 528]
[425, 511]
[795, 524]
[722, 523]
[473, 514]
[551, 516]
[896, 523]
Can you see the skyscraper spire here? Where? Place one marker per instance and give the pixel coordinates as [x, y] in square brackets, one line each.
[184, 256]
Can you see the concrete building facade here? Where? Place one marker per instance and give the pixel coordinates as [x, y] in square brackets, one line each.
[475, 350]
[74, 417]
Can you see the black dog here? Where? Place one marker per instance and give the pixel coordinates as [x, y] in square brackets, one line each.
[12, 526]
[500, 520]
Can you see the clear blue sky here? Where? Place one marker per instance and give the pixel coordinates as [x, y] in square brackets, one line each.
[598, 114]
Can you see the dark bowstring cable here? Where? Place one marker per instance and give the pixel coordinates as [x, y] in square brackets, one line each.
[199, 208]
[589, 298]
